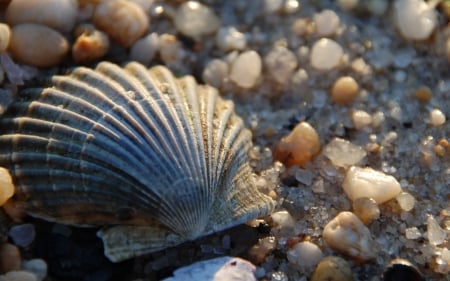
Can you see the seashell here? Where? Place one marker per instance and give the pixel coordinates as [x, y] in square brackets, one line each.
[155, 159]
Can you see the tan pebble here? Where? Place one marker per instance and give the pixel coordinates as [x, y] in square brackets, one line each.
[332, 268]
[10, 258]
[169, 48]
[439, 150]
[20, 276]
[344, 90]
[361, 119]
[37, 45]
[124, 21]
[423, 94]
[366, 209]
[6, 186]
[406, 201]
[299, 147]
[347, 234]
[5, 36]
[90, 45]
[57, 14]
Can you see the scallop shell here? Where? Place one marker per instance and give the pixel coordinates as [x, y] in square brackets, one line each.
[156, 159]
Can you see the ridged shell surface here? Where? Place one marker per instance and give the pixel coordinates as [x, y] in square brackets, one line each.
[156, 159]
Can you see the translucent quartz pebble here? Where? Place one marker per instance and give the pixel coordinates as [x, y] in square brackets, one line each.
[280, 62]
[436, 235]
[246, 69]
[332, 268]
[406, 201]
[415, 19]
[218, 269]
[343, 153]
[305, 255]
[366, 209]
[194, 19]
[367, 182]
[326, 54]
[347, 234]
[229, 38]
[327, 22]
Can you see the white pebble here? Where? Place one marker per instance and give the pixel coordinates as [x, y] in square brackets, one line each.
[57, 14]
[194, 19]
[347, 234]
[415, 19]
[19, 275]
[406, 201]
[437, 118]
[343, 153]
[327, 22]
[6, 184]
[281, 64]
[218, 269]
[37, 45]
[282, 220]
[144, 49]
[36, 266]
[435, 234]
[305, 255]
[326, 54]
[124, 21]
[229, 38]
[215, 73]
[367, 182]
[246, 69]
[23, 234]
[5, 36]
[412, 233]
[361, 119]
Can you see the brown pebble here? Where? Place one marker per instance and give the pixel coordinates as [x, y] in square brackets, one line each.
[37, 45]
[124, 21]
[10, 258]
[299, 147]
[90, 45]
[423, 94]
[332, 269]
[439, 150]
[344, 90]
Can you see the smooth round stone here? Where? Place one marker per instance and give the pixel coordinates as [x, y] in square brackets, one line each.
[367, 182]
[327, 22]
[6, 185]
[332, 268]
[229, 38]
[145, 49]
[215, 72]
[36, 266]
[18, 275]
[246, 69]
[305, 255]
[377, 7]
[348, 235]
[299, 147]
[437, 117]
[90, 45]
[5, 36]
[124, 21]
[169, 48]
[344, 90]
[37, 45]
[10, 258]
[194, 19]
[361, 119]
[415, 19]
[23, 234]
[406, 201]
[281, 63]
[326, 54]
[58, 14]
[366, 209]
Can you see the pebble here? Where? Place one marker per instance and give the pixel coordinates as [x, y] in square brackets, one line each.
[229, 38]
[194, 19]
[145, 49]
[23, 234]
[246, 69]
[401, 269]
[19, 275]
[305, 256]
[299, 147]
[6, 184]
[423, 94]
[36, 266]
[343, 153]
[344, 90]
[57, 14]
[215, 73]
[90, 45]
[326, 54]
[10, 258]
[37, 45]
[5, 36]
[406, 201]
[347, 234]
[435, 234]
[415, 19]
[327, 23]
[218, 269]
[437, 118]
[169, 48]
[281, 63]
[370, 183]
[124, 21]
[332, 268]
[366, 209]
[259, 251]
[361, 119]
[377, 7]
[412, 233]
[348, 5]
[282, 221]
